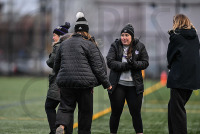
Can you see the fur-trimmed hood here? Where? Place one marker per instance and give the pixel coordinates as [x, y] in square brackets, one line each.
[62, 38]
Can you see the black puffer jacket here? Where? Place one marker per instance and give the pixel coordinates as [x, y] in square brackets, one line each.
[54, 91]
[80, 64]
[183, 57]
[140, 61]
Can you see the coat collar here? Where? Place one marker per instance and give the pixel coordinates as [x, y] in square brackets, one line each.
[62, 38]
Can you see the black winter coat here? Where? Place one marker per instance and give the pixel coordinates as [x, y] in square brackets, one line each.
[183, 57]
[80, 64]
[140, 61]
[54, 91]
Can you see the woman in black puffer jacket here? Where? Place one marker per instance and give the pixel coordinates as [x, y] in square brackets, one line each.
[183, 57]
[126, 58]
[53, 95]
[80, 67]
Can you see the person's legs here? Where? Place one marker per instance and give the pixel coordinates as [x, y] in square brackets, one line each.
[50, 108]
[69, 129]
[65, 113]
[177, 114]
[117, 99]
[85, 111]
[134, 102]
[169, 116]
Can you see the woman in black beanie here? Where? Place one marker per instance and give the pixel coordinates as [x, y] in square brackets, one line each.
[53, 95]
[80, 67]
[183, 57]
[126, 58]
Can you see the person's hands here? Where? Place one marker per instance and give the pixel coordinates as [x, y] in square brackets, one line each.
[132, 63]
[129, 60]
[109, 88]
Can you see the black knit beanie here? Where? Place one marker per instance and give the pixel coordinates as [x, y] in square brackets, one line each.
[81, 23]
[63, 29]
[128, 29]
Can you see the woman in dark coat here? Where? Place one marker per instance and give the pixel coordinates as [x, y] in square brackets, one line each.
[53, 94]
[183, 57]
[126, 58]
[80, 67]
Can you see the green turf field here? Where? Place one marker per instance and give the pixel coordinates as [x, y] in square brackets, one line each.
[22, 109]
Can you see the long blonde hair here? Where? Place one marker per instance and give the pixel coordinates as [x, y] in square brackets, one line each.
[181, 21]
[88, 36]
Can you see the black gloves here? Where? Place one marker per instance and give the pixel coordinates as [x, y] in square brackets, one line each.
[132, 62]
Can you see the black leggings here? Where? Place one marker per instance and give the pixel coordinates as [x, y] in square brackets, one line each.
[134, 101]
[50, 108]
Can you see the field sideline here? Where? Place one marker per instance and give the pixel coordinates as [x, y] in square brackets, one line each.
[22, 109]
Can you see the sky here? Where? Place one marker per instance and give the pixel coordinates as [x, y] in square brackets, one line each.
[21, 6]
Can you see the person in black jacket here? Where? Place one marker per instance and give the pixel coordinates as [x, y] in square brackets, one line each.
[53, 95]
[126, 58]
[80, 67]
[183, 57]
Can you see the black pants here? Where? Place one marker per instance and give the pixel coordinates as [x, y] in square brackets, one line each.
[134, 101]
[50, 108]
[69, 98]
[177, 120]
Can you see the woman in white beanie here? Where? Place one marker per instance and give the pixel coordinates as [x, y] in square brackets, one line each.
[80, 67]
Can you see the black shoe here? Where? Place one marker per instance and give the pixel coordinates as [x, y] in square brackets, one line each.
[52, 132]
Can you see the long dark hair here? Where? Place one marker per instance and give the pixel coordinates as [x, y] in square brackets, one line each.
[130, 49]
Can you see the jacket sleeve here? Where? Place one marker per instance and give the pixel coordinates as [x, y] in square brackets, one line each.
[143, 61]
[57, 61]
[50, 61]
[172, 50]
[97, 65]
[113, 63]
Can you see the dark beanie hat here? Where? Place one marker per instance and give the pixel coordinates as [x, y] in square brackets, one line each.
[63, 29]
[81, 23]
[128, 29]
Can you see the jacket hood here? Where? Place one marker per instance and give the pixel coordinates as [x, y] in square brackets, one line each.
[187, 33]
[62, 38]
